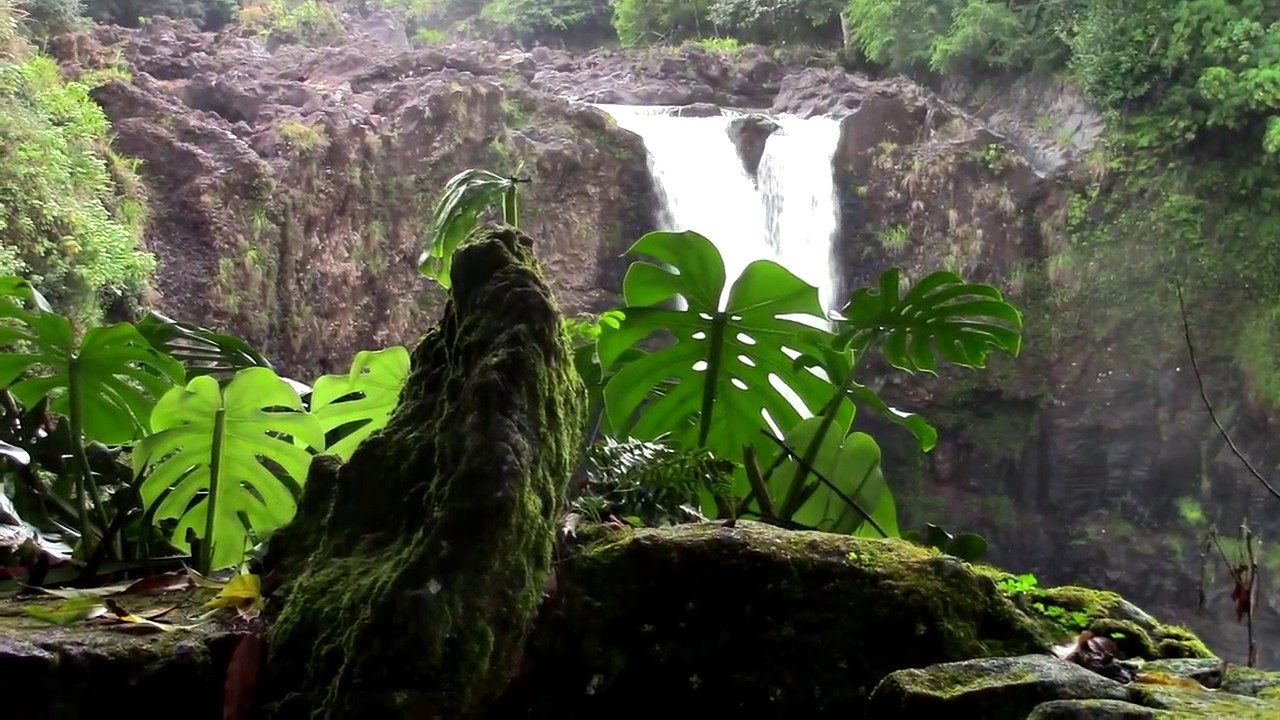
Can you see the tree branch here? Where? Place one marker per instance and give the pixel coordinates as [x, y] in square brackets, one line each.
[1191, 351]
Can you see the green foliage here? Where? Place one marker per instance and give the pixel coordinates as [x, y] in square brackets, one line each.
[215, 442]
[649, 484]
[655, 22]
[960, 35]
[293, 22]
[44, 19]
[711, 388]
[201, 351]
[466, 198]
[354, 405]
[719, 387]
[106, 381]
[777, 21]
[584, 21]
[857, 500]
[209, 15]
[66, 221]
[1223, 57]
[961, 321]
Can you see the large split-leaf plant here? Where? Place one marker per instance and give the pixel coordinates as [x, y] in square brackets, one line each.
[713, 386]
[353, 406]
[218, 460]
[104, 380]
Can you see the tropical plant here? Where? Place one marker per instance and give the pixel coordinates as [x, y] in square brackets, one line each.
[351, 407]
[104, 380]
[220, 460]
[200, 350]
[714, 388]
[467, 196]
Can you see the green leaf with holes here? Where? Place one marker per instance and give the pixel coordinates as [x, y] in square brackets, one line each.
[940, 316]
[362, 400]
[205, 463]
[711, 387]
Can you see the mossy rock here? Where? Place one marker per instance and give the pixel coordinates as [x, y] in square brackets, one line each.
[1094, 710]
[97, 667]
[411, 574]
[784, 624]
[1042, 687]
[1007, 688]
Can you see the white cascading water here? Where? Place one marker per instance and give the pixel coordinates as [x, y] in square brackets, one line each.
[790, 218]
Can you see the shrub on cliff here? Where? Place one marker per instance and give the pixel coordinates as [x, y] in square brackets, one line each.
[71, 213]
[575, 22]
[207, 14]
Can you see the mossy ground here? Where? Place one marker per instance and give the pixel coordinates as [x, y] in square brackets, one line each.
[412, 573]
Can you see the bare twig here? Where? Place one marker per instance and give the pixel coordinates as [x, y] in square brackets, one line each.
[1195, 368]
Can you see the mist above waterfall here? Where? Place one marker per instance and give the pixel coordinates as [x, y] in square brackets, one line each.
[790, 215]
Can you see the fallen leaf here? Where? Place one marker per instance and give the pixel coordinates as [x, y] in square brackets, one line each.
[243, 592]
[76, 593]
[67, 612]
[123, 615]
[205, 582]
[242, 675]
[157, 584]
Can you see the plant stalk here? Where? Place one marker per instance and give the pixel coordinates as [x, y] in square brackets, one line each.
[511, 205]
[790, 504]
[215, 480]
[86, 486]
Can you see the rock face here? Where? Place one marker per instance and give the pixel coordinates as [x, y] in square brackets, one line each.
[679, 77]
[1074, 458]
[291, 188]
[412, 573]
[749, 134]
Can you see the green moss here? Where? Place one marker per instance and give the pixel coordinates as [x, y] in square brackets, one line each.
[791, 623]
[1191, 703]
[416, 598]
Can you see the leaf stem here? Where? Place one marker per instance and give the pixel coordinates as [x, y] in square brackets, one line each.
[86, 485]
[215, 480]
[830, 485]
[716, 343]
[791, 504]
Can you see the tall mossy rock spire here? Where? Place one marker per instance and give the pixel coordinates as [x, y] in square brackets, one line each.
[411, 575]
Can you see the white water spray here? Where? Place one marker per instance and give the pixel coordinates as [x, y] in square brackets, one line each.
[789, 215]
[790, 218]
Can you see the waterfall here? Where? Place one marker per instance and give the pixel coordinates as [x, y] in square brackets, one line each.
[789, 215]
[790, 218]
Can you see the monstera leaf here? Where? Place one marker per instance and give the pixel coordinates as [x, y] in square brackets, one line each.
[205, 460]
[201, 351]
[962, 321]
[367, 395]
[711, 388]
[105, 382]
[466, 197]
[857, 500]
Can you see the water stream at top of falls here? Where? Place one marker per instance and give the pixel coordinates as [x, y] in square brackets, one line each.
[789, 218]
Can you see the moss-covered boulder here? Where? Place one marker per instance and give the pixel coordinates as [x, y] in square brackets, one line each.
[411, 574]
[784, 624]
[1041, 687]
